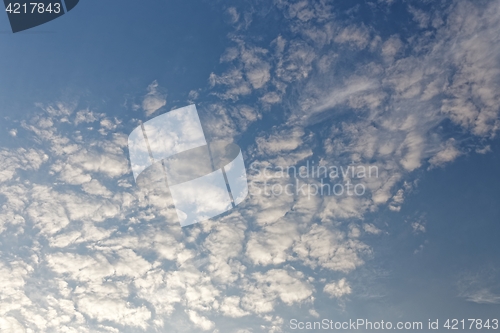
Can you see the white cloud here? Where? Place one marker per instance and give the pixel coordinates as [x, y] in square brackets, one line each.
[391, 47]
[88, 233]
[296, 64]
[86, 116]
[483, 296]
[280, 142]
[94, 187]
[193, 96]
[419, 16]
[258, 75]
[271, 98]
[235, 82]
[314, 313]
[13, 279]
[154, 99]
[10, 324]
[231, 307]
[483, 150]
[418, 226]
[397, 201]
[23, 159]
[200, 321]
[338, 288]
[108, 164]
[272, 244]
[100, 229]
[233, 14]
[225, 243]
[412, 150]
[353, 87]
[264, 289]
[371, 229]
[335, 207]
[480, 287]
[118, 311]
[50, 217]
[447, 154]
[357, 36]
[330, 249]
[71, 175]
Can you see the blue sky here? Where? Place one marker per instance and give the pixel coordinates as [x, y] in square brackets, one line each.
[411, 87]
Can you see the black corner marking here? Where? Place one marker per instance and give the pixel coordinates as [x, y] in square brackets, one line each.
[70, 4]
[26, 14]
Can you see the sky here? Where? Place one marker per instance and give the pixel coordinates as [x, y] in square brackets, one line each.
[408, 88]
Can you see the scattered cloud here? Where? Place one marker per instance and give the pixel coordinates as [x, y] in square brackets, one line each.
[338, 289]
[154, 99]
[447, 154]
[353, 35]
[111, 254]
